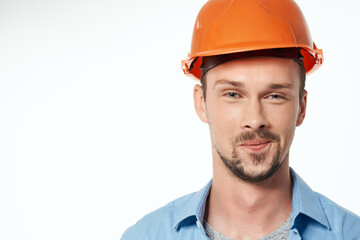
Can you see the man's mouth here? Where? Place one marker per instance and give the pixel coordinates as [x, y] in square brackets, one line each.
[256, 144]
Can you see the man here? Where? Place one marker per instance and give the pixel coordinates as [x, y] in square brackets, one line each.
[252, 57]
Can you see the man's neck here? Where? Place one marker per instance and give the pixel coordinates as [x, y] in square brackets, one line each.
[242, 210]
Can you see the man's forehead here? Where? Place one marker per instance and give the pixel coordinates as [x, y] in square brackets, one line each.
[240, 84]
[255, 66]
[262, 72]
[210, 62]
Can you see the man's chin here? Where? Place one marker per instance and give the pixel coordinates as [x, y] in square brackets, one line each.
[255, 170]
[256, 175]
[253, 167]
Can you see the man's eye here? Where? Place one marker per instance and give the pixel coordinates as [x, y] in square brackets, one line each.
[232, 94]
[275, 96]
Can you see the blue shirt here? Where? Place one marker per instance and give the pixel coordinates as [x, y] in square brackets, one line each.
[313, 216]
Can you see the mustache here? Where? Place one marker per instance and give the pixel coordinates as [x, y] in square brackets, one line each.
[260, 134]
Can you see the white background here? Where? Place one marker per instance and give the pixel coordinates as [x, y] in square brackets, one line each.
[97, 126]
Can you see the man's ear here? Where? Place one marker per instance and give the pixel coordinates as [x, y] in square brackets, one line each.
[199, 102]
[302, 109]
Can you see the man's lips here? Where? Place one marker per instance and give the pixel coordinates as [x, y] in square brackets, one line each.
[256, 145]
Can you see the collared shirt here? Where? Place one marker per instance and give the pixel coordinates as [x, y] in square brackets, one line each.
[313, 216]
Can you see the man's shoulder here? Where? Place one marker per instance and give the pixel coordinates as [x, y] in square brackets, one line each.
[159, 222]
[339, 218]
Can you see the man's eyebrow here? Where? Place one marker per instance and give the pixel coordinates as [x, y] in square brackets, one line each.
[281, 85]
[229, 82]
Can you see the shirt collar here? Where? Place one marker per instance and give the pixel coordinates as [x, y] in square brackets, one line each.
[305, 201]
[195, 207]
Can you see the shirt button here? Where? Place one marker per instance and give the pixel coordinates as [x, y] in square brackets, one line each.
[198, 224]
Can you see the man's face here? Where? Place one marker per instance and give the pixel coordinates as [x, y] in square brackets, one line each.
[252, 107]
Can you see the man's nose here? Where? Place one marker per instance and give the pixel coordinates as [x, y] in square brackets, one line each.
[254, 116]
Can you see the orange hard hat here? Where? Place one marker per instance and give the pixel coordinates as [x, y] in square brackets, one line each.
[232, 26]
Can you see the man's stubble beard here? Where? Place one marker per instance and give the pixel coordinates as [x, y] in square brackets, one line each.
[237, 165]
